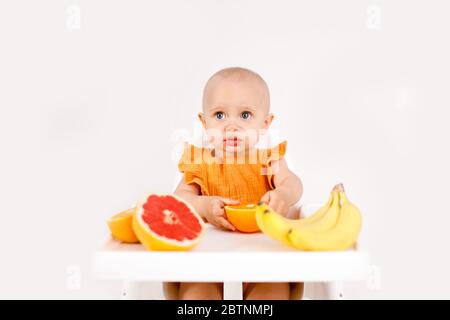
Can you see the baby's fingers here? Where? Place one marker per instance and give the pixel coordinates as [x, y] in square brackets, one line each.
[265, 198]
[224, 223]
[228, 201]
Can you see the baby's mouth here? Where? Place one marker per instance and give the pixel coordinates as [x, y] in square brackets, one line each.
[231, 141]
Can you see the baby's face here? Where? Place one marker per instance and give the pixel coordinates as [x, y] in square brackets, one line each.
[235, 112]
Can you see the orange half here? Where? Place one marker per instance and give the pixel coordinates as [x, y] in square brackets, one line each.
[243, 217]
[120, 226]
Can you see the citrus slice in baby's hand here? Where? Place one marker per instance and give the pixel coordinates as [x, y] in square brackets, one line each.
[167, 222]
[120, 226]
[242, 217]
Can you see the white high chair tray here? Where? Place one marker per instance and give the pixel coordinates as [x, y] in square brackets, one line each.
[228, 256]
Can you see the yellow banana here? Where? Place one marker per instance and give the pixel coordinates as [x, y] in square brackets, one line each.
[342, 236]
[322, 220]
[276, 226]
[316, 215]
[273, 224]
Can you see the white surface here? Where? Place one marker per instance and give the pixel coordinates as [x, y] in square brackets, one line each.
[228, 256]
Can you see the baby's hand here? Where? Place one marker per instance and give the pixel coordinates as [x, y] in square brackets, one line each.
[216, 212]
[275, 199]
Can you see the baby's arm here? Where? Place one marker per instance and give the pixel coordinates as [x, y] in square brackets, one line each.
[190, 193]
[288, 188]
[210, 208]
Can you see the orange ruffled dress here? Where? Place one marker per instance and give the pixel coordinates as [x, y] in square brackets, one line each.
[245, 178]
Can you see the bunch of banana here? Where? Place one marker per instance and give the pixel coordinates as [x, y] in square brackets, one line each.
[334, 226]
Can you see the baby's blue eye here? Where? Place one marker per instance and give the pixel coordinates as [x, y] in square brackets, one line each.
[219, 115]
[246, 115]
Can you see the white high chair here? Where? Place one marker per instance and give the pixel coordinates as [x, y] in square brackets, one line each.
[231, 258]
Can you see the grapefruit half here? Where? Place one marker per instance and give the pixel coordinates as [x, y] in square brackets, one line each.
[167, 222]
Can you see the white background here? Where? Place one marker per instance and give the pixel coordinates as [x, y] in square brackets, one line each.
[89, 105]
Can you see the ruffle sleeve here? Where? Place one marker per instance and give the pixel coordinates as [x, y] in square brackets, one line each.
[273, 154]
[192, 165]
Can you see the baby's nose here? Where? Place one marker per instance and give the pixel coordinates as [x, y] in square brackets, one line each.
[231, 129]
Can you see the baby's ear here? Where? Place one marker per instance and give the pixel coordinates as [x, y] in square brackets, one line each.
[268, 120]
[201, 117]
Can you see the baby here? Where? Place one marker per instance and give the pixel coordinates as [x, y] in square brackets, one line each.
[236, 106]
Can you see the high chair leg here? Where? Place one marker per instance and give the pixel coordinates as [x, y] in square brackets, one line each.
[335, 290]
[130, 290]
[324, 290]
[232, 291]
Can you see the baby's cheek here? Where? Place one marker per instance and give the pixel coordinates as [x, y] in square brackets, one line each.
[214, 135]
[251, 140]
